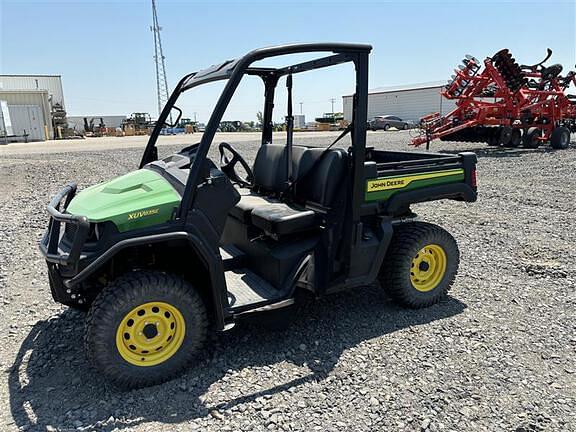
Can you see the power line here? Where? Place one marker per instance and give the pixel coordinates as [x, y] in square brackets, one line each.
[159, 59]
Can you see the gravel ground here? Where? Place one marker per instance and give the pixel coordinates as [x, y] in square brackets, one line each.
[498, 355]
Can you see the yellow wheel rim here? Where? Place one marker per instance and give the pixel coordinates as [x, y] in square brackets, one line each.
[150, 334]
[428, 268]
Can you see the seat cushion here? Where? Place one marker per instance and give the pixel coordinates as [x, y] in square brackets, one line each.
[281, 219]
[249, 200]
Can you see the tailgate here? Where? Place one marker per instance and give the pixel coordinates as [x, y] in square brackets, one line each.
[395, 178]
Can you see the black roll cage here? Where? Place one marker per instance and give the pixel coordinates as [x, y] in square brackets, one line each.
[234, 70]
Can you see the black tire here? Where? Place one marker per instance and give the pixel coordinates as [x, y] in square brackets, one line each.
[118, 301]
[493, 137]
[405, 126]
[531, 138]
[407, 243]
[492, 141]
[515, 138]
[505, 135]
[386, 127]
[560, 138]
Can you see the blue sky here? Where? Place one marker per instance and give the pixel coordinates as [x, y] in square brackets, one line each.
[103, 49]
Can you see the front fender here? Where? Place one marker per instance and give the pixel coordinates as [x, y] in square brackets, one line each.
[210, 258]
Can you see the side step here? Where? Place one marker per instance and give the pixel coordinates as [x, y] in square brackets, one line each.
[232, 257]
[248, 291]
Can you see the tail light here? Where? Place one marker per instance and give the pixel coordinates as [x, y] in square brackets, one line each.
[473, 177]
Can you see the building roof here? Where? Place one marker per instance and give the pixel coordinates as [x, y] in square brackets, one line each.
[406, 87]
[30, 76]
[19, 91]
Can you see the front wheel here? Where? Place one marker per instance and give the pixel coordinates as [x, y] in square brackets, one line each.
[532, 138]
[420, 265]
[386, 127]
[145, 328]
[515, 138]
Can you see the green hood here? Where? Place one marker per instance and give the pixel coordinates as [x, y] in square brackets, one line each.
[136, 200]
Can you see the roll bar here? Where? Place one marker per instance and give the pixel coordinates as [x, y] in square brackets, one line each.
[233, 70]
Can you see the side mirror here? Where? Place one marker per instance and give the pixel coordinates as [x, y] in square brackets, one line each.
[178, 117]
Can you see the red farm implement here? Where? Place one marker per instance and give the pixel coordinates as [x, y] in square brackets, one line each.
[505, 104]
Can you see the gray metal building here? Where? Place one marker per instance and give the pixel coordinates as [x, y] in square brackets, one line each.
[410, 102]
[299, 121]
[28, 102]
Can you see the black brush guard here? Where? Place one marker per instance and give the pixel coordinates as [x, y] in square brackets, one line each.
[50, 243]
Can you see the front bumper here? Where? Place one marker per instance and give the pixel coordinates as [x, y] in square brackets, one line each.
[63, 257]
[51, 243]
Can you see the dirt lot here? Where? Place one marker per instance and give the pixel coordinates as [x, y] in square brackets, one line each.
[499, 354]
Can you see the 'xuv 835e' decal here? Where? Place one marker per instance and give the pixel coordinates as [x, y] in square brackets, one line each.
[384, 187]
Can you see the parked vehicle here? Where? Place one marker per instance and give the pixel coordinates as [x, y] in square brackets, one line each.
[164, 253]
[385, 122]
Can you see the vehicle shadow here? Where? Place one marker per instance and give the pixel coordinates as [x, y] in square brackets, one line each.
[51, 384]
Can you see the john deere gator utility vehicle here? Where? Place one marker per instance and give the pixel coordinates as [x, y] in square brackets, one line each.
[185, 244]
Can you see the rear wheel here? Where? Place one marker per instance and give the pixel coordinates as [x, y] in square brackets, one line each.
[405, 126]
[560, 138]
[515, 138]
[145, 328]
[531, 138]
[421, 264]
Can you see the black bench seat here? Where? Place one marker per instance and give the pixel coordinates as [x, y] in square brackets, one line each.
[260, 207]
[249, 200]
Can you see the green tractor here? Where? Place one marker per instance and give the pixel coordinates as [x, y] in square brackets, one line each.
[185, 245]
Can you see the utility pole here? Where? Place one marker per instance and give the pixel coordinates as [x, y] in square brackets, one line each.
[301, 103]
[195, 116]
[159, 59]
[332, 100]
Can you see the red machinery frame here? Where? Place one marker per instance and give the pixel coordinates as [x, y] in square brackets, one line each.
[505, 104]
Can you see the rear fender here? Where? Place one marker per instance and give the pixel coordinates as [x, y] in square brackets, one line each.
[400, 203]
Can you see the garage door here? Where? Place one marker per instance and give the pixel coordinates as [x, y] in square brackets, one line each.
[27, 119]
[5, 123]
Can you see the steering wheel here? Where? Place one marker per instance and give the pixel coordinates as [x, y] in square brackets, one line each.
[228, 164]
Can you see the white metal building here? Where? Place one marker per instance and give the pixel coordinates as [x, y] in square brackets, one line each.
[51, 83]
[410, 102]
[25, 115]
[27, 102]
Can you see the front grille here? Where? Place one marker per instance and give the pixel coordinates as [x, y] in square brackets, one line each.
[70, 231]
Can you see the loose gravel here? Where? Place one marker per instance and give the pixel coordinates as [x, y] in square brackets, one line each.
[497, 355]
